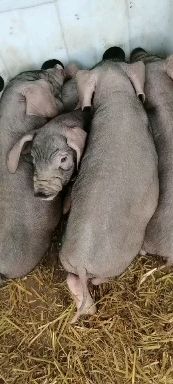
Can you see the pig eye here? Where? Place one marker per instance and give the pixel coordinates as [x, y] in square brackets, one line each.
[63, 159]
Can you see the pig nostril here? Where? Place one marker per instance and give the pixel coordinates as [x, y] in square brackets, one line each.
[41, 194]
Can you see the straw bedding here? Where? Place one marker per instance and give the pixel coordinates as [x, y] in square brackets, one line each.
[129, 340]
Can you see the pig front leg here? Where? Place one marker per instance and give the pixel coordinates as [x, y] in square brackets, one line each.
[84, 302]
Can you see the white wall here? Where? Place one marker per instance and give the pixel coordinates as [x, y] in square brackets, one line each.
[32, 31]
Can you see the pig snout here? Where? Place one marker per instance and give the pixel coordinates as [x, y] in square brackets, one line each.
[47, 189]
[44, 196]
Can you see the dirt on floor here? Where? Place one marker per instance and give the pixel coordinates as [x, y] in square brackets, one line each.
[128, 341]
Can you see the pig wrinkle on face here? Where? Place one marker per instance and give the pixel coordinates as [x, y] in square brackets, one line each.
[53, 168]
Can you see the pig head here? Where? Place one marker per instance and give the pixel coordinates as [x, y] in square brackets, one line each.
[55, 153]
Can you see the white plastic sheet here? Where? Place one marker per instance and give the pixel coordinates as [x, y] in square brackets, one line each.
[32, 31]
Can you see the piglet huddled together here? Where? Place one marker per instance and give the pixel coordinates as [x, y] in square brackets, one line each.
[112, 127]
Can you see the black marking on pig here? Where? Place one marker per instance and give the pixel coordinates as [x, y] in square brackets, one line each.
[114, 53]
[51, 64]
[1, 83]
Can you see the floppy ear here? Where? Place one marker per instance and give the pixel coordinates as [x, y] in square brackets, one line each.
[86, 83]
[136, 74]
[14, 154]
[169, 66]
[76, 138]
[40, 100]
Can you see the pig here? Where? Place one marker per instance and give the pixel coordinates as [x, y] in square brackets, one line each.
[159, 106]
[27, 103]
[116, 190]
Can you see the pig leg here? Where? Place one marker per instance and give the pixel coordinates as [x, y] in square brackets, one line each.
[98, 280]
[77, 291]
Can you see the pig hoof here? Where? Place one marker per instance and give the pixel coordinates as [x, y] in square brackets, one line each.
[98, 281]
[87, 311]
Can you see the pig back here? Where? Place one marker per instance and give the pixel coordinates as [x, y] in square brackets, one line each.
[115, 193]
[159, 102]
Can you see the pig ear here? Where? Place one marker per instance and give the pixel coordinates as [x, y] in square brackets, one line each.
[40, 100]
[86, 83]
[169, 66]
[71, 70]
[14, 154]
[136, 74]
[76, 138]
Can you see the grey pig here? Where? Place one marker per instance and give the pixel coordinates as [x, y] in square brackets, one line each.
[159, 106]
[29, 100]
[116, 190]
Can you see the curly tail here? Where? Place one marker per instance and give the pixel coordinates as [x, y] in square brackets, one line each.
[78, 285]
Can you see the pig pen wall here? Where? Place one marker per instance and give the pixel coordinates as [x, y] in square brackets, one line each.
[32, 31]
